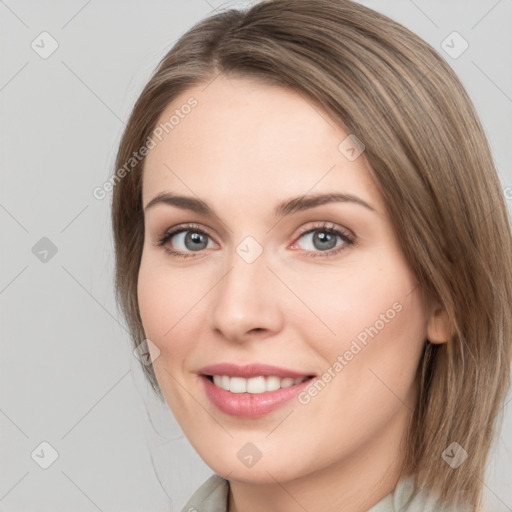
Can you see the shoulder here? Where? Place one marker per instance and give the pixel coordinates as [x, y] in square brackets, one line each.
[403, 499]
[211, 496]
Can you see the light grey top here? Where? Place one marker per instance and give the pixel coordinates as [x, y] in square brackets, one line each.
[212, 496]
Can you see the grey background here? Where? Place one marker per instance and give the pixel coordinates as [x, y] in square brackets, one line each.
[66, 362]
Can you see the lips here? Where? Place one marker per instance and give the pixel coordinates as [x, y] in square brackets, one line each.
[224, 385]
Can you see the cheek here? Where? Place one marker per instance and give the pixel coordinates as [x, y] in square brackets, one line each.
[162, 304]
[170, 304]
[376, 325]
[151, 302]
[369, 366]
[367, 296]
[165, 308]
[380, 336]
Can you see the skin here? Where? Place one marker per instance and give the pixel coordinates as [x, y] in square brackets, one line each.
[245, 147]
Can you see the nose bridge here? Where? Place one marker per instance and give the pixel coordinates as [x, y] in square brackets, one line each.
[244, 300]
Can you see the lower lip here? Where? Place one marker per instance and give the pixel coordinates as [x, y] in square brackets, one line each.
[250, 405]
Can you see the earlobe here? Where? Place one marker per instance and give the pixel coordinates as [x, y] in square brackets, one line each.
[439, 328]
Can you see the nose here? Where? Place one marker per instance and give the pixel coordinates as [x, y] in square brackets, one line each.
[246, 302]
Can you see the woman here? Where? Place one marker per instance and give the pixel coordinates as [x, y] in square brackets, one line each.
[311, 235]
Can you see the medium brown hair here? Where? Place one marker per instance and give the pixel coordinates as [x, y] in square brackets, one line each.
[430, 158]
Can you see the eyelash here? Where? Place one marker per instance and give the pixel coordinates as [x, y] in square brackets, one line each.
[323, 227]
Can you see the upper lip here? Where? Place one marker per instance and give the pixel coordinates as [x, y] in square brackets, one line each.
[251, 370]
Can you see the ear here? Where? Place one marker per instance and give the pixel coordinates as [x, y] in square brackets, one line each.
[439, 329]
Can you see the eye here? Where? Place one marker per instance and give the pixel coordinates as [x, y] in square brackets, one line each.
[323, 240]
[187, 239]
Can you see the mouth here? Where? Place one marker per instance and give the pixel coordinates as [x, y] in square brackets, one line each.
[253, 390]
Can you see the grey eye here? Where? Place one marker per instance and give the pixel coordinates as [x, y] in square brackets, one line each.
[321, 240]
[188, 240]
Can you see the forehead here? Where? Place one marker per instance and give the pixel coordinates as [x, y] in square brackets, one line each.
[253, 139]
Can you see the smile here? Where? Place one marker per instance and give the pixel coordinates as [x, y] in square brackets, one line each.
[251, 391]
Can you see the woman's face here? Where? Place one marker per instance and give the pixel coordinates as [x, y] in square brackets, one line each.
[316, 290]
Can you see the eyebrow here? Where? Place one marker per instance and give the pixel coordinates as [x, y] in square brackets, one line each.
[287, 207]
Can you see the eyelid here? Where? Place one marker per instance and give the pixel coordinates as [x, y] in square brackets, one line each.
[191, 226]
[328, 226]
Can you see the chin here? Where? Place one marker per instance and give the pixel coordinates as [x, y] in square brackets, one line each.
[266, 470]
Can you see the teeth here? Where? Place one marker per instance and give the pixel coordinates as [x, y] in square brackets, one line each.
[272, 383]
[254, 385]
[237, 385]
[286, 383]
